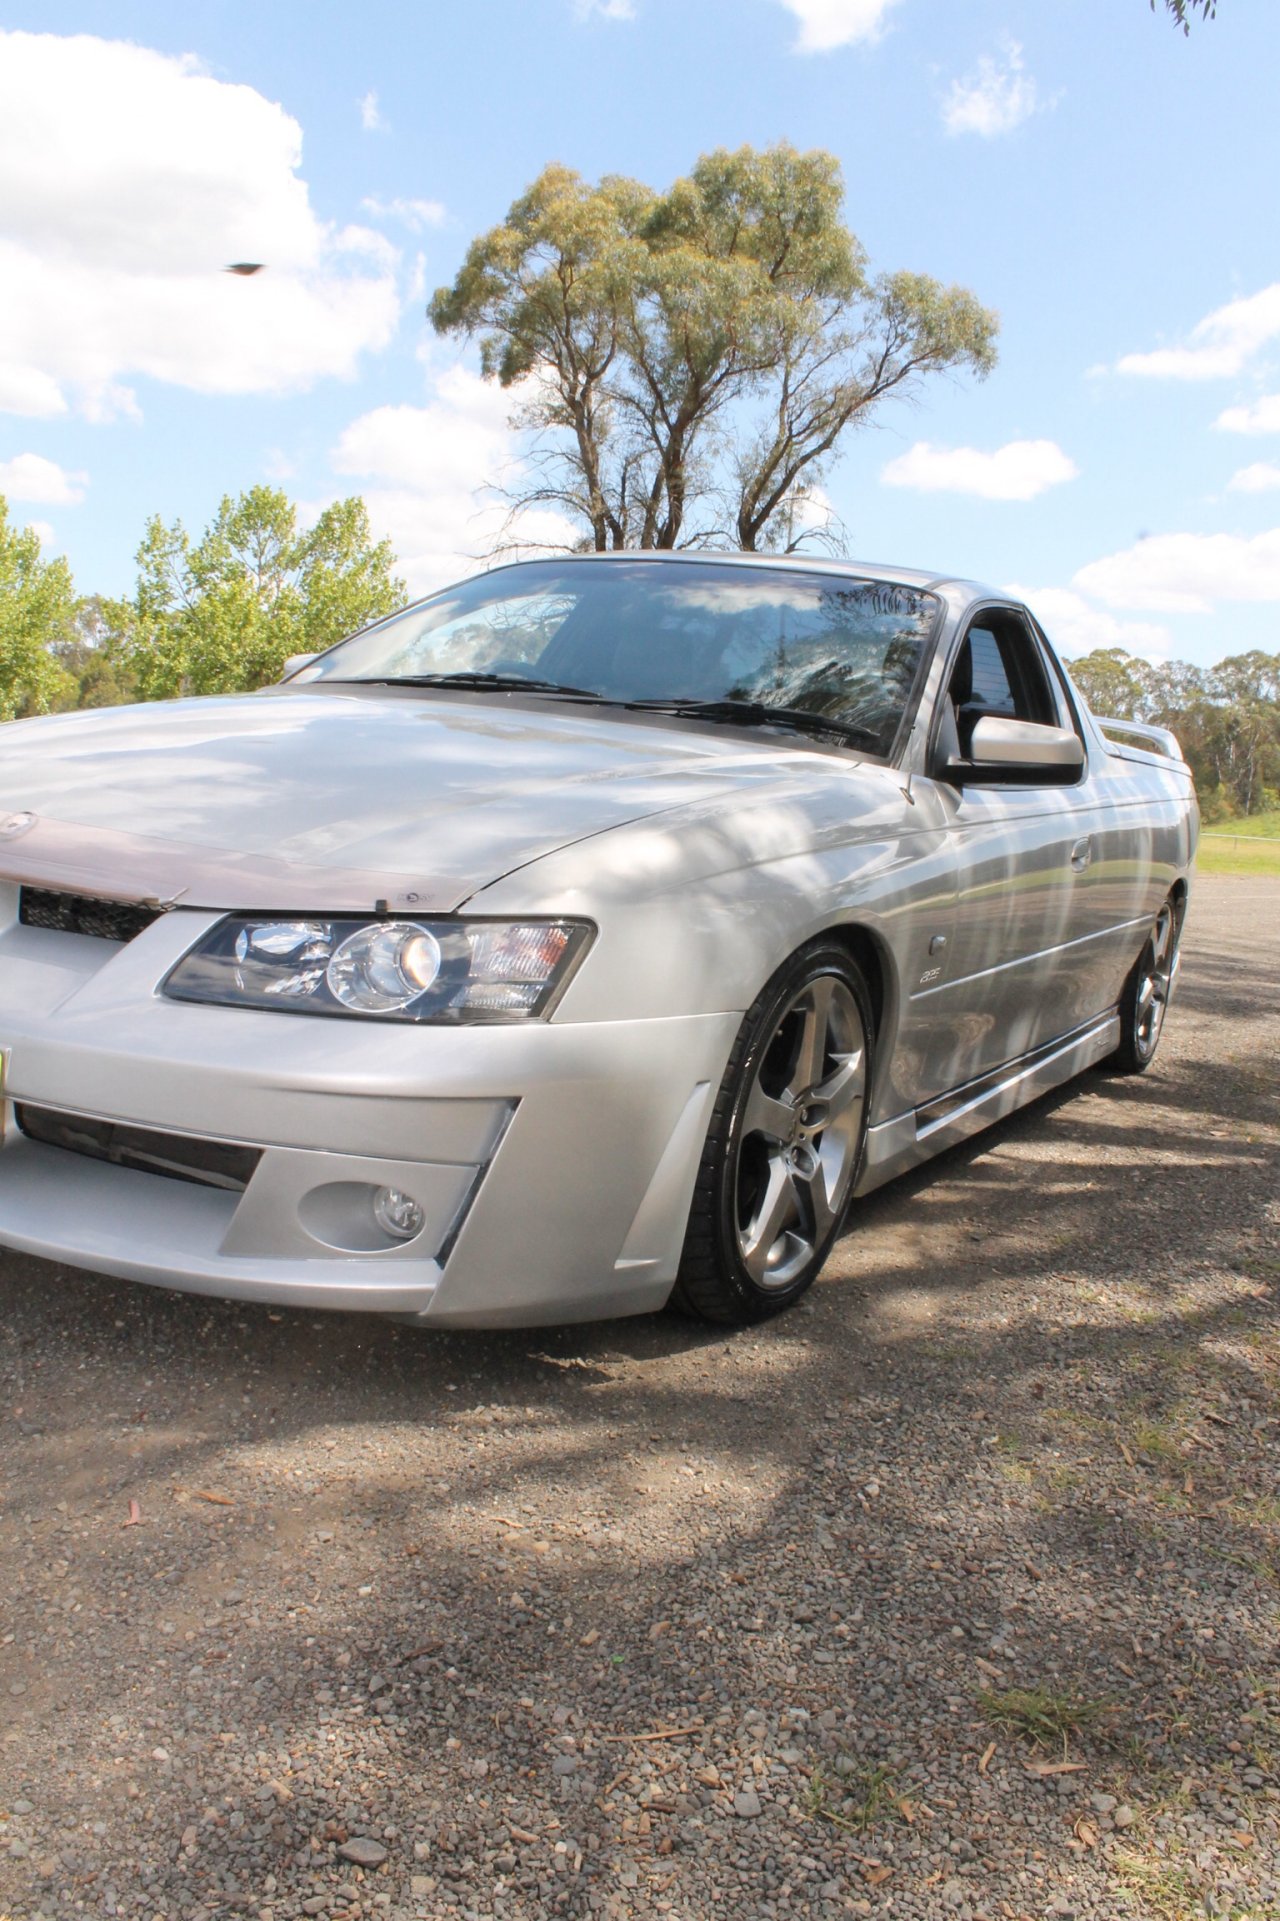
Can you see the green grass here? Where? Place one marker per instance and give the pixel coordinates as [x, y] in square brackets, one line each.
[855, 1802]
[1228, 846]
[1267, 825]
[1038, 1715]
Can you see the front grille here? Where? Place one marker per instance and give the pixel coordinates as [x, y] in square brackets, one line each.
[118, 920]
[179, 1157]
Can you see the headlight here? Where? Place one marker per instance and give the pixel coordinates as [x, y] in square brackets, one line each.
[409, 970]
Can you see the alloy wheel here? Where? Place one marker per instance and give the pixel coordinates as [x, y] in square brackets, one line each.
[1154, 983]
[800, 1132]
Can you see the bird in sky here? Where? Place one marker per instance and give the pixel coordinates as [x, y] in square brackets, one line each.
[245, 267]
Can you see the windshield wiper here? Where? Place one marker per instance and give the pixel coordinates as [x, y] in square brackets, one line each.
[485, 683]
[757, 713]
[741, 713]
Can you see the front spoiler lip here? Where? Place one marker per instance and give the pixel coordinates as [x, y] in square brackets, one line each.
[356, 1286]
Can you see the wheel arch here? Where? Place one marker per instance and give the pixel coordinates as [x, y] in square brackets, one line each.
[870, 953]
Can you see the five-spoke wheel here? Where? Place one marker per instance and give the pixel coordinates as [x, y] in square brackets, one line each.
[785, 1142]
[1146, 992]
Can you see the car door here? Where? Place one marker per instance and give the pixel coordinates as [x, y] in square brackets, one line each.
[1021, 852]
[1132, 817]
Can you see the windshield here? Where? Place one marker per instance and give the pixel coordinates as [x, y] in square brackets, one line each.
[687, 635]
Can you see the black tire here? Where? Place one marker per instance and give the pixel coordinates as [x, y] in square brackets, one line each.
[785, 1143]
[1145, 998]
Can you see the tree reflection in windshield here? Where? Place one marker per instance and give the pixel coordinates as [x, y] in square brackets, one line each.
[838, 647]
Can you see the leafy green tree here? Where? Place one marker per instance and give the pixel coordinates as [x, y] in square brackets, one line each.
[695, 357]
[223, 614]
[1114, 683]
[37, 607]
[1227, 718]
[90, 652]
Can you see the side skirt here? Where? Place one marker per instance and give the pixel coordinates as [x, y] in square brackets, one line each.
[908, 1139]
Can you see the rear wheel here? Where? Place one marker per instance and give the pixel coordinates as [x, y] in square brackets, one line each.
[1146, 993]
[784, 1144]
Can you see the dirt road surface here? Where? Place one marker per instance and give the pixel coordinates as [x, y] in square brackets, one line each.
[954, 1593]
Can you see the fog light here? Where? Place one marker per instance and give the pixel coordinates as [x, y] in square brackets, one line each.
[397, 1214]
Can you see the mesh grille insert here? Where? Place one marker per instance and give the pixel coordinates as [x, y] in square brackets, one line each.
[179, 1157]
[118, 920]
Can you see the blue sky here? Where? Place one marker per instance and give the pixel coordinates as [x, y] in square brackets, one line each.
[1106, 184]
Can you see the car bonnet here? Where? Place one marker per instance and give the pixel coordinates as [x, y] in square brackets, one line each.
[339, 800]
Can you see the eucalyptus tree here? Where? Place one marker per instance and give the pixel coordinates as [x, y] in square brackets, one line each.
[1184, 11]
[689, 361]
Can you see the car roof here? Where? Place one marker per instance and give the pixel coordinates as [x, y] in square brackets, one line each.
[953, 585]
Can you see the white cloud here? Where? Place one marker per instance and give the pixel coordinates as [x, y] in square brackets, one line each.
[1187, 573]
[414, 214]
[370, 118]
[44, 533]
[1260, 478]
[128, 180]
[825, 24]
[995, 98]
[604, 9]
[25, 390]
[1076, 628]
[1263, 417]
[1218, 346]
[32, 477]
[1018, 471]
[428, 475]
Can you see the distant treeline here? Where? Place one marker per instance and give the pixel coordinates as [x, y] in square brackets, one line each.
[217, 615]
[222, 614]
[1227, 719]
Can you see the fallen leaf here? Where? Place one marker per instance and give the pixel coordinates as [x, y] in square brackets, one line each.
[987, 1753]
[1244, 1839]
[216, 1500]
[520, 1834]
[1128, 1457]
[876, 1875]
[1086, 1833]
[590, 1638]
[135, 1516]
[1055, 1767]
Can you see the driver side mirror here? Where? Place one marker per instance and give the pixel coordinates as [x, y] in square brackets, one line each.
[1017, 752]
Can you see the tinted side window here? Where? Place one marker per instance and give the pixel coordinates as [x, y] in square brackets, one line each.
[988, 678]
[998, 671]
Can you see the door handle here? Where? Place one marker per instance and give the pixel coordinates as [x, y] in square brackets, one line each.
[1082, 854]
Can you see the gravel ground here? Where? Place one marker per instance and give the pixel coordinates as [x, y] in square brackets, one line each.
[311, 1616]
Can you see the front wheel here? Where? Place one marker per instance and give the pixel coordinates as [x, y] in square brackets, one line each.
[784, 1144]
[1145, 999]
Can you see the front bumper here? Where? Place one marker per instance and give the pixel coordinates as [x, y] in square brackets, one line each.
[554, 1161]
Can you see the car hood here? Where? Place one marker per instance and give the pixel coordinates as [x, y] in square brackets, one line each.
[328, 800]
